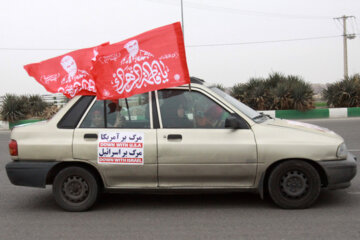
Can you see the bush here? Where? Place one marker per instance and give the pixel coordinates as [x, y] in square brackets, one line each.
[36, 105]
[11, 109]
[49, 112]
[16, 108]
[345, 93]
[276, 92]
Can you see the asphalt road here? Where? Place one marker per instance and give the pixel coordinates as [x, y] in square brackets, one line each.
[30, 213]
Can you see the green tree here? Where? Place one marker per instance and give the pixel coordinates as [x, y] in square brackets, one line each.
[36, 105]
[12, 108]
[277, 91]
[344, 93]
[21, 107]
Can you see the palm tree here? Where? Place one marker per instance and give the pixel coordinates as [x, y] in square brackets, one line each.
[11, 109]
[275, 92]
[345, 93]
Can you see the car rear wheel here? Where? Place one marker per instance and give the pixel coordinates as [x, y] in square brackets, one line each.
[294, 184]
[75, 189]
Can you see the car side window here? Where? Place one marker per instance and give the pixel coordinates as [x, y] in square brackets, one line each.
[71, 119]
[132, 112]
[185, 109]
[95, 116]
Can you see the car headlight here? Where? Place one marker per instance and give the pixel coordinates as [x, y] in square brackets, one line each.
[342, 151]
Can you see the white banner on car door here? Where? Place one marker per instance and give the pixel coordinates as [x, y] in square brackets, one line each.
[121, 148]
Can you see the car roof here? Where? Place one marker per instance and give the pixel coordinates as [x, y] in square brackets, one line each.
[197, 80]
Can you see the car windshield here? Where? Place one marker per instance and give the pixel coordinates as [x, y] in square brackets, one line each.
[248, 111]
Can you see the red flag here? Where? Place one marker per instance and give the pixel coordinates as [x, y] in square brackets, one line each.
[68, 73]
[147, 62]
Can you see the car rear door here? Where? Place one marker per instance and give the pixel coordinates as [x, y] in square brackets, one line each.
[121, 145]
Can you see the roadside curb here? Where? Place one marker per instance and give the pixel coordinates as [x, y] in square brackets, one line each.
[315, 113]
[4, 125]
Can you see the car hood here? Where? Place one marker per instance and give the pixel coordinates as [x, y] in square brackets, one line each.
[302, 127]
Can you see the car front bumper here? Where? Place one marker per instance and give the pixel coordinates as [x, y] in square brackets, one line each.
[29, 173]
[340, 172]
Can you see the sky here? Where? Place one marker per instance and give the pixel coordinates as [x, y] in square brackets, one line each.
[227, 41]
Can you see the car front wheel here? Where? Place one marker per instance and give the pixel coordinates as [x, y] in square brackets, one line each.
[294, 184]
[75, 189]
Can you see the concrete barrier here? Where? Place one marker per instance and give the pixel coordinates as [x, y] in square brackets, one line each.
[315, 113]
[20, 122]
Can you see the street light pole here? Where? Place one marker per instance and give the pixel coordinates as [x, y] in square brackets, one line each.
[345, 37]
[346, 72]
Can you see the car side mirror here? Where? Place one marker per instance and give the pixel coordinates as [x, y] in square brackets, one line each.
[234, 122]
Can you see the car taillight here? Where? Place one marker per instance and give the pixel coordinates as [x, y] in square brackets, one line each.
[13, 148]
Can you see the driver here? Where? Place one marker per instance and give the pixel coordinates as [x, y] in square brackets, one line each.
[212, 118]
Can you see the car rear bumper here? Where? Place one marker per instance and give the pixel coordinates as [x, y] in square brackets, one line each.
[29, 173]
[340, 173]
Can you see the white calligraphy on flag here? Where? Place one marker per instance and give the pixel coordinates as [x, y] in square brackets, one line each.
[140, 68]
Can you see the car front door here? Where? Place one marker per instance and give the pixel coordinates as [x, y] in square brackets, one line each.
[118, 138]
[196, 149]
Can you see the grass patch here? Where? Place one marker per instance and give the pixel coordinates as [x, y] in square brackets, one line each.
[320, 104]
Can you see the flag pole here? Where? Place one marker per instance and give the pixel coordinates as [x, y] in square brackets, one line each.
[183, 30]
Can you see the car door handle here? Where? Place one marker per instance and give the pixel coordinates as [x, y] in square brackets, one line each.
[174, 137]
[90, 136]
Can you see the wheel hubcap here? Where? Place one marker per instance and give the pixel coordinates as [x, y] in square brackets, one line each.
[75, 189]
[294, 184]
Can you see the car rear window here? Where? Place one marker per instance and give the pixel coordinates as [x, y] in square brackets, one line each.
[73, 116]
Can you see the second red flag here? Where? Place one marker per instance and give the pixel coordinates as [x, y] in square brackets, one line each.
[147, 62]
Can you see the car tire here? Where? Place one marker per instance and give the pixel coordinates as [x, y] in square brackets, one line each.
[294, 184]
[75, 189]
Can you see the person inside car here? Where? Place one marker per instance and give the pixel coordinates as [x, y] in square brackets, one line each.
[115, 118]
[97, 119]
[174, 113]
[212, 118]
